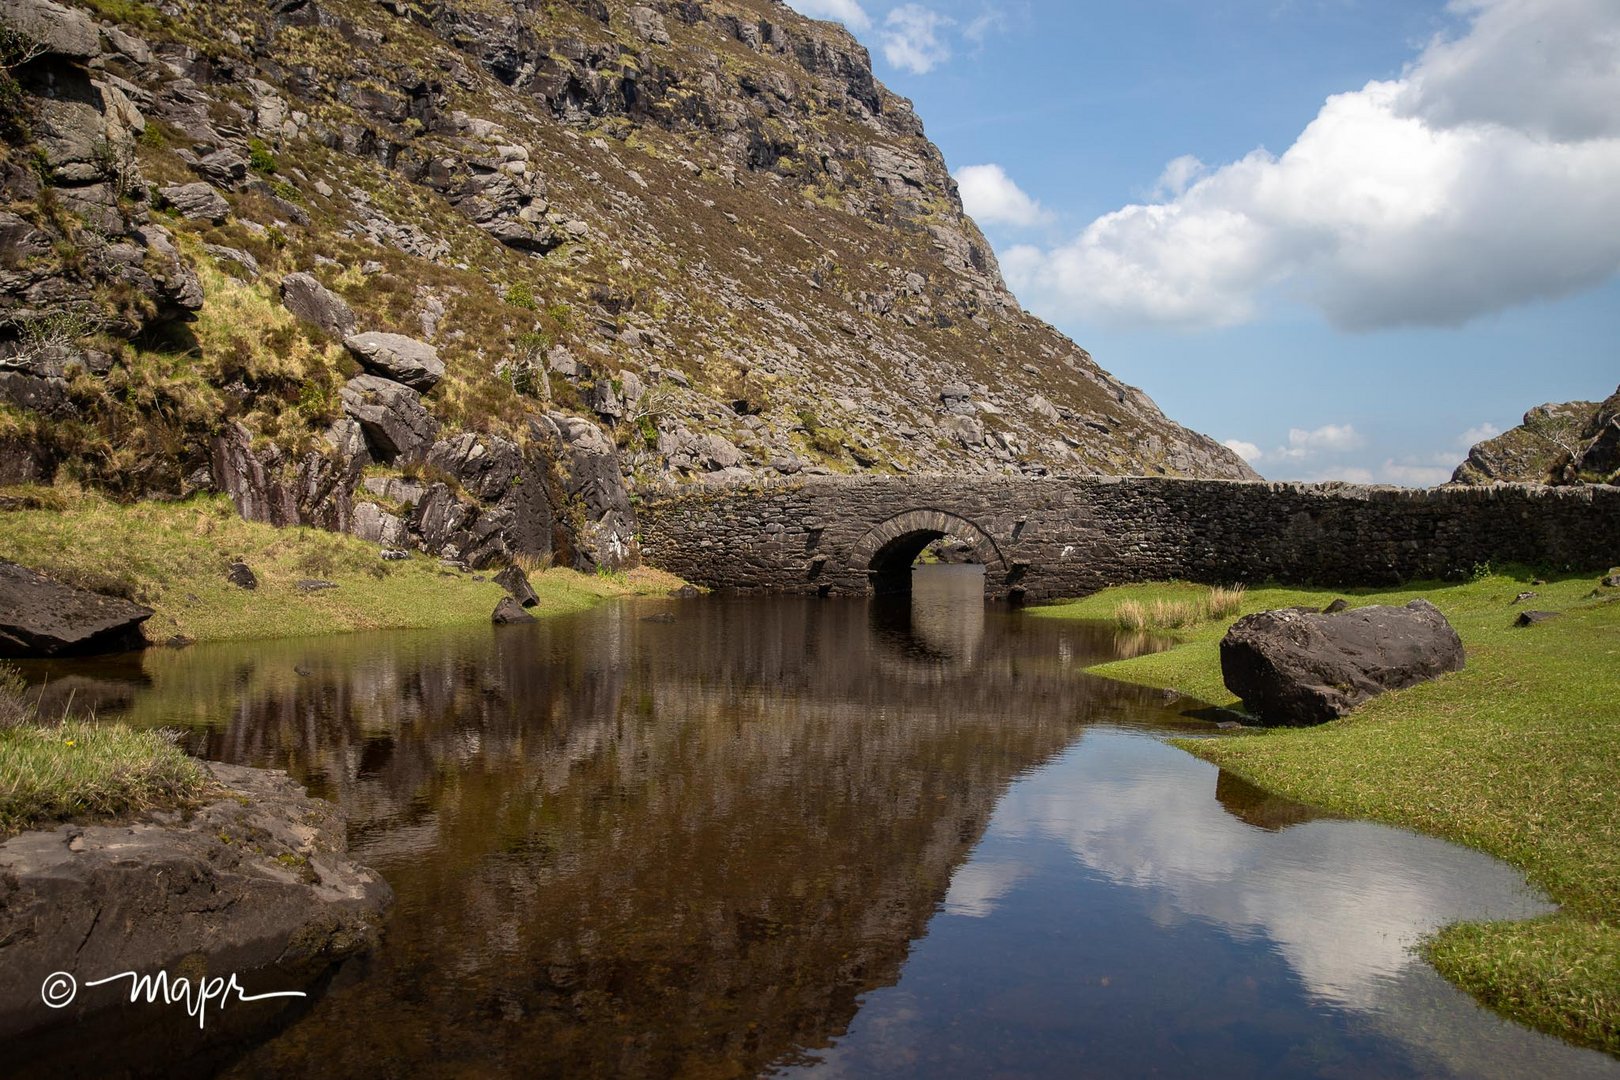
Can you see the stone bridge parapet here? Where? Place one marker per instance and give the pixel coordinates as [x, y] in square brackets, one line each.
[1069, 536]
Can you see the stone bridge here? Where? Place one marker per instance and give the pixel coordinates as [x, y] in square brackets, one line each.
[1051, 537]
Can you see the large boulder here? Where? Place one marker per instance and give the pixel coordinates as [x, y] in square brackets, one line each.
[197, 201]
[257, 878]
[395, 356]
[395, 422]
[60, 30]
[1297, 667]
[40, 617]
[313, 302]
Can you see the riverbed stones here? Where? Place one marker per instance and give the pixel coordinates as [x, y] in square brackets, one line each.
[397, 357]
[1298, 668]
[40, 617]
[255, 878]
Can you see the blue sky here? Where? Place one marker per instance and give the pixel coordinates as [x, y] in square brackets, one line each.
[1347, 237]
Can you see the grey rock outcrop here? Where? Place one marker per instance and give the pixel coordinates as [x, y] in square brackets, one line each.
[304, 296]
[592, 479]
[269, 486]
[396, 424]
[41, 617]
[61, 30]
[255, 879]
[376, 525]
[197, 201]
[1297, 668]
[1569, 442]
[397, 357]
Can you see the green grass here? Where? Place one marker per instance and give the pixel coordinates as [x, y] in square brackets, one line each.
[172, 557]
[1517, 755]
[51, 772]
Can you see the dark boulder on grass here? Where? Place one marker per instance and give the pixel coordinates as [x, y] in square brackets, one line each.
[1530, 618]
[516, 582]
[41, 617]
[1297, 668]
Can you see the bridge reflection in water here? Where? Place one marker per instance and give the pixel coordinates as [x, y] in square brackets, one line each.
[691, 848]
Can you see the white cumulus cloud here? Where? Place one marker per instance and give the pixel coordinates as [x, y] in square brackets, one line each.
[1487, 176]
[1479, 434]
[1178, 176]
[848, 12]
[1245, 450]
[913, 38]
[990, 195]
[1329, 438]
[1409, 475]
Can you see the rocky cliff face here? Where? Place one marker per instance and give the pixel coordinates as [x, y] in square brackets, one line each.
[663, 241]
[1575, 442]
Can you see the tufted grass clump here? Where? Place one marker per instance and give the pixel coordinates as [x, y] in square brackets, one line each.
[1166, 613]
[76, 768]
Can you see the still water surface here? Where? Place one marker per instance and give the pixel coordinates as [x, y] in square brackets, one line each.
[732, 837]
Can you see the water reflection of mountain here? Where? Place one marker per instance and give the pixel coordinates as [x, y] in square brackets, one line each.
[634, 847]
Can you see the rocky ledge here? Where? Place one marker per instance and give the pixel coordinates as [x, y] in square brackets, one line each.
[256, 881]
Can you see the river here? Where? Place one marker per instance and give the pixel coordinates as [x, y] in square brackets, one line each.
[727, 837]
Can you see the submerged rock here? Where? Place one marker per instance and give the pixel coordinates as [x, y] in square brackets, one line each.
[510, 611]
[41, 617]
[1296, 667]
[256, 879]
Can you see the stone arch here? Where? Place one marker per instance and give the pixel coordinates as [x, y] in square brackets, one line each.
[889, 548]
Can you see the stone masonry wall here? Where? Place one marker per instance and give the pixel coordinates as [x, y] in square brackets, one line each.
[1071, 536]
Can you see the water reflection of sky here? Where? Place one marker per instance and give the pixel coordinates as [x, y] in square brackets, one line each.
[1116, 863]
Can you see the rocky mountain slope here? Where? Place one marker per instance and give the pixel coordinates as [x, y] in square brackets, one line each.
[451, 272]
[1575, 442]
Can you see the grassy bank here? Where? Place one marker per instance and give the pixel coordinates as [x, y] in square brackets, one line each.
[50, 772]
[1517, 755]
[172, 557]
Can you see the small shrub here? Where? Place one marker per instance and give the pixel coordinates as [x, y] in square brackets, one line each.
[260, 159]
[520, 295]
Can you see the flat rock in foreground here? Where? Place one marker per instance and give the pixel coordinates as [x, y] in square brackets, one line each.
[1295, 667]
[256, 881]
[41, 617]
